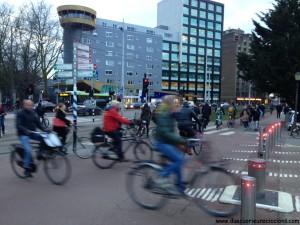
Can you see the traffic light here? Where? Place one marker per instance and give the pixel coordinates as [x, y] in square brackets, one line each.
[145, 83]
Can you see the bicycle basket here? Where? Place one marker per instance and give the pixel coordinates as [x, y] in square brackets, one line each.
[97, 135]
[52, 140]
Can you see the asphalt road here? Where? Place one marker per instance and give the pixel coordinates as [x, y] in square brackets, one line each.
[98, 197]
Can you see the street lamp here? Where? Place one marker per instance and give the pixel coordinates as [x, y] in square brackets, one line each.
[297, 78]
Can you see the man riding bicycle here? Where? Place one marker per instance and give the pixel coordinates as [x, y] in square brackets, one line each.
[169, 143]
[26, 124]
[112, 121]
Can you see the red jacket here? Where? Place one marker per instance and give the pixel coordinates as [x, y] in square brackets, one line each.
[112, 120]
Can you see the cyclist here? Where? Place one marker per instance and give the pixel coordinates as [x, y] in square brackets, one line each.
[111, 126]
[26, 124]
[206, 112]
[2, 114]
[232, 113]
[169, 143]
[60, 123]
[146, 115]
[219, 112]
[40, 111]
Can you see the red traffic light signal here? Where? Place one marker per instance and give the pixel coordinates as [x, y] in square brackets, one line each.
[95, 66]
[145, 83]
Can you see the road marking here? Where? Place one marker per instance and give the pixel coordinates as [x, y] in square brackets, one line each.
[270, 174]
[228, 133]
[216, 131]
[297, 203]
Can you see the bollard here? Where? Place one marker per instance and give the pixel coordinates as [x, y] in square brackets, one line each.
[265, 147]
[257, 169]
[273, 136]
[248, 200]
[270, 139]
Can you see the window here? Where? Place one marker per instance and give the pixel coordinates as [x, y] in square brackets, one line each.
[115, 26]
[130, 37]
[109, 63]
[185, 10]
[184, 39]
[97, 41]
[150, 32]
[202, 33]
[149, 40]
[185, 20]
[210, 16]
[130, 29]
[202, 23]
[148, 58]
[193, 31]
[194, 3]
[209, 43]
[86, 41]
[184, 58]
[193, 40]
[193, 50]
[130, 46]
[192, 59]
[130, 64]
[129, 55]
[210, 25]
[149, 66]
[185, 30]
[165, 56]
[217, 52]
[175, 47]
[210, 34]
[110, 81]
[211, 7]
[218, 35]
[108, 34]
[108, 72]
[129, 73]
[109, 53]
[202, 14]
[201, 41]
[193, 22]
[109, 44]
[184, 48]
[168, 35]
[174, 66]
[219, 26]
[130, 82]
[219, 9]
[201, 51]
[194, 12]
[166, 46]
[150, 49]
[219, 18]
[174, 57]
[202, 5]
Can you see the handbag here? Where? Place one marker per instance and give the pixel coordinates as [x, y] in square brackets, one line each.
[58, 122]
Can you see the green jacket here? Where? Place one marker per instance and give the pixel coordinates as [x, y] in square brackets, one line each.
[166, 125]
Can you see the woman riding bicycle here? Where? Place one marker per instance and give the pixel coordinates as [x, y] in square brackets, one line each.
[169, 143]
[60, 123]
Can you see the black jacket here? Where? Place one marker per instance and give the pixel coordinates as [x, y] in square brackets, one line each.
[27, 121]
[146, 113]
[185, 116]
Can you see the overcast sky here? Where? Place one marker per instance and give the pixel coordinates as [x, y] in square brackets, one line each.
[238, 13]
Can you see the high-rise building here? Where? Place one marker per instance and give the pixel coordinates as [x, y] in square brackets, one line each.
[193, 65]
[233, 87]
[182, 53]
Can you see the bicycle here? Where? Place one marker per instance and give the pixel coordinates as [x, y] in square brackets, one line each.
[57, 166]
[84, 147]
[218, 122]
[141, 128]
[205, 185]
[230, 121]
[104, 155]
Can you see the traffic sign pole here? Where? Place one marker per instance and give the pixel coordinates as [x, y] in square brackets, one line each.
[74, 100]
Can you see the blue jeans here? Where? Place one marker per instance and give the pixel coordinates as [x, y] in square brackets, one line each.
[2, 123]
[27, 147]
[175, 156]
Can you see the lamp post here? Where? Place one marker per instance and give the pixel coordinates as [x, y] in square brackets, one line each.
[122, 91]
[297, 79]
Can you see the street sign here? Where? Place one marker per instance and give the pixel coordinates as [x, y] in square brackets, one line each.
[83, 54]
[82, 46]
[63, 66]
[85, 73]
[63, 74]
[121, 89]
[83, 60]
[85, 66]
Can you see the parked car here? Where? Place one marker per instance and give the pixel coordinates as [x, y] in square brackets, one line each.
[87, 110]
[48, 106]
[137, 105]
[101, 103]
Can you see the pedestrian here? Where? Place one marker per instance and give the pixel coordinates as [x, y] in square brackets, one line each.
[286, 109]
[146, 115]
[278, 110]
[2, 118]
[244, 115]
[40, 111]
[271, 108]
[206, 112]
[61, 124]
[256, 116]
[262, 109]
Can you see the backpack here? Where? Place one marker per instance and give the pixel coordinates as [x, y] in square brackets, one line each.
[97, 135]
[231, 109]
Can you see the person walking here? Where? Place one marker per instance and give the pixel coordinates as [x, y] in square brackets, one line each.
[146, 115]
[2, 118]
[26, 123]
[206, 112]
[256, 116]
[244, 115]
[278, 110]
[61, 123]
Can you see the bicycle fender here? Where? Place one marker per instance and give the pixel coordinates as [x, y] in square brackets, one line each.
[148, 163]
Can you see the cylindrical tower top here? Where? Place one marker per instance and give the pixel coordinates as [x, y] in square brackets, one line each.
[77, 15]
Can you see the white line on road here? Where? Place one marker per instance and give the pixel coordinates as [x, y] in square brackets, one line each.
[228, 133]
[297, 203]
[216, 131]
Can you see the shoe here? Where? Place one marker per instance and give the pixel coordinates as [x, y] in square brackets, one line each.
[41, 157]
[164, 187]
[27, 173]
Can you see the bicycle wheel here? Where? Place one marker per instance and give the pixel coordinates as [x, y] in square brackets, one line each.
[57, 167]
[295, 133]
[138, 184]
[101, 157]
[143, 151]
[208, 187]
[197, 147]
[16, 162]
[84, 148]
[152, 136]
